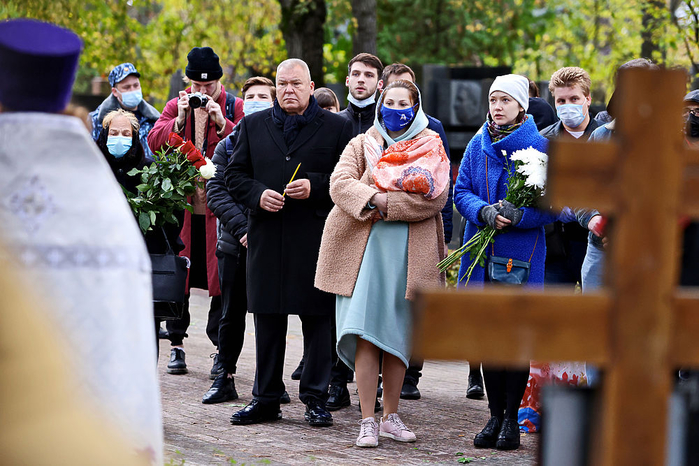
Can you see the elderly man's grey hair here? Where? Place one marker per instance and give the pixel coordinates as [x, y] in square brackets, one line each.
[293, 62]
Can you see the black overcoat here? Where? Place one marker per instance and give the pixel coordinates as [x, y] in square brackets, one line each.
[283, 246]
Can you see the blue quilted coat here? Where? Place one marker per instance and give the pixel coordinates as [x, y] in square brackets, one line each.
[471, 195]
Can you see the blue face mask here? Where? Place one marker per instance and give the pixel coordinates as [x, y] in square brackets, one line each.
[118, 145]
[395, 119]
[131, 99]
[571, 115]
[253, 106]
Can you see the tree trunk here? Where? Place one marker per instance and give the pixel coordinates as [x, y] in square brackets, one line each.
[364, 39]
[654, 21]
[302, 26]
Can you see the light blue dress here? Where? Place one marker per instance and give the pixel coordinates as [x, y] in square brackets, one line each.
[377, 311]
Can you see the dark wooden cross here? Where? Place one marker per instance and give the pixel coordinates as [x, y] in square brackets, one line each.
[640, 327]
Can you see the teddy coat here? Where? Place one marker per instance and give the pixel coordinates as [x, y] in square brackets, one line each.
[471, 194]
[348, 226]
[157, 138]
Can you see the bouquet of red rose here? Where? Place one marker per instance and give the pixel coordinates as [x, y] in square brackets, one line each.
[166, 183]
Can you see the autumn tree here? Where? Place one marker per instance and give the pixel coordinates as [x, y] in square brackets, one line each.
[302, 25]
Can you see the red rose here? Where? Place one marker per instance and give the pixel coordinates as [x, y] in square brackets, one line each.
[199, 163]
[174, 140]
[190, 151]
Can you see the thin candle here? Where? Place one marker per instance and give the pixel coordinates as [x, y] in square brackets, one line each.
[292, 177]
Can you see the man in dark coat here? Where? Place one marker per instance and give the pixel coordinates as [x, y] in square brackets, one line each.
[295, 139]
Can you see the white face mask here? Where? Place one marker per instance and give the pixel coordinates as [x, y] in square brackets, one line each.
[571, 115]
[362, 103]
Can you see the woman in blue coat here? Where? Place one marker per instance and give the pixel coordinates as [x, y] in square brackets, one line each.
[478, 192]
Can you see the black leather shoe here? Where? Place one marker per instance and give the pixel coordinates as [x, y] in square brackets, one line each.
[475, 386]
[316, 415]
[409, 391]
[255, 413]
[222, 390]
[296, 375]
[284, 399]
[338, 397]
[489, 435]
[177, 364]
[217, 368]
[508, 439]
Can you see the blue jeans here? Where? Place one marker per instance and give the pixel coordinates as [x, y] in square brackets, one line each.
[592, 279]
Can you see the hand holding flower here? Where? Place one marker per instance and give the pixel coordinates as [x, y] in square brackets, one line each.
[511, 212]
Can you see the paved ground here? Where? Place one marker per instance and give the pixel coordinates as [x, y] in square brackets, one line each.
[444, 420]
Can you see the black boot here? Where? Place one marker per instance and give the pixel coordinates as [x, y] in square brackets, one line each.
[338, 397]
[475, 385]
[177, 364]
[409, 390]
[508, 439]
[216, 368]
[296, 375]
[489, 435]
[222, 390]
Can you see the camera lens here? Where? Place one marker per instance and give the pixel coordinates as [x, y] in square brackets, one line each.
[195, 101]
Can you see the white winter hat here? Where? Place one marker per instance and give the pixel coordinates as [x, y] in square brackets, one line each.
[515, 85]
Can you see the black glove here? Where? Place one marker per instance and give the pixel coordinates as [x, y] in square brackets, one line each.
[488, 214]
[510, 212]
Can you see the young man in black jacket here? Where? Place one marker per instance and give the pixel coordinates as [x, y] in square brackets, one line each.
[231, 250]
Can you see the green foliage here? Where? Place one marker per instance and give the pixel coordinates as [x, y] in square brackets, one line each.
[156, 36]
[164, 188]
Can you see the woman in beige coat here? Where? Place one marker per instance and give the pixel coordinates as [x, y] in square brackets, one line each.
[379, 246]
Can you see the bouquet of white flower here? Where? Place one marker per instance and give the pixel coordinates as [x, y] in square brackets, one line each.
[525, 184]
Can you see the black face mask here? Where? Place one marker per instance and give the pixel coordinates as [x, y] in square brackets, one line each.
[692, 127]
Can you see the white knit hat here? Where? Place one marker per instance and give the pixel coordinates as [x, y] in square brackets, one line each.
[515, 85]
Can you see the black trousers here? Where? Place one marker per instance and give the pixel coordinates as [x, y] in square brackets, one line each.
[234, 307]
[177, 329]
[270, 342]
[505, 389]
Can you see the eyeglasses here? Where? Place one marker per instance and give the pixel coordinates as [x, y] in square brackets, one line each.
[693, 111]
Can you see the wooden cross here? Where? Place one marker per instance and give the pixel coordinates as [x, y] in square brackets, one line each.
[640, 328]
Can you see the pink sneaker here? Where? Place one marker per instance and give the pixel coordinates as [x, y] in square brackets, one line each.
[368, 433]
[393, 427]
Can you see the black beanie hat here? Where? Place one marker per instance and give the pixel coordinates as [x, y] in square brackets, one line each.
[203, 65]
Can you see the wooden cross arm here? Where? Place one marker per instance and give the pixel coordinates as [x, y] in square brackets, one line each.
[511, 326]
[582, 174]
[684, 344]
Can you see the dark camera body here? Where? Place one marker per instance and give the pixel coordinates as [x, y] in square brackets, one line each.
[197, 99]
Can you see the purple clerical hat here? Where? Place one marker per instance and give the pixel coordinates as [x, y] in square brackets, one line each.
[38, 63]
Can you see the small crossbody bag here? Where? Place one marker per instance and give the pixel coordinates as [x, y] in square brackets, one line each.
[506, 270]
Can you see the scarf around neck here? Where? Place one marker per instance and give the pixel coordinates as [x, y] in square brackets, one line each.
[291, 125]
[498, 132]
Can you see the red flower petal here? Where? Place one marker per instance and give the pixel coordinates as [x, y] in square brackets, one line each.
[174, 140]
[199, 163]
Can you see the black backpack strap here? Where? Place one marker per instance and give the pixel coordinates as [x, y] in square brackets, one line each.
[230, 107]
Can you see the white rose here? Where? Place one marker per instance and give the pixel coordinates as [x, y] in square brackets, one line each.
[209, 170]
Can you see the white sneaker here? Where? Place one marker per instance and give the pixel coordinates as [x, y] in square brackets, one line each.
[393, 427]
[368, 433]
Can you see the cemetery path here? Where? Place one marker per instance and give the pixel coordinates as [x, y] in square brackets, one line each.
[444, 420]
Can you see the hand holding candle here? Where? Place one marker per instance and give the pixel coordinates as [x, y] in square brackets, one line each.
[298, 189]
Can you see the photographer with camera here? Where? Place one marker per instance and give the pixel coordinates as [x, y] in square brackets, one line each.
[201, 114]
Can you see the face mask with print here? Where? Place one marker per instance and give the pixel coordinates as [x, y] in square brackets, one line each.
[396, 119]
[118, 145]
[131, 99]
[253, 106]
[571, 115]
